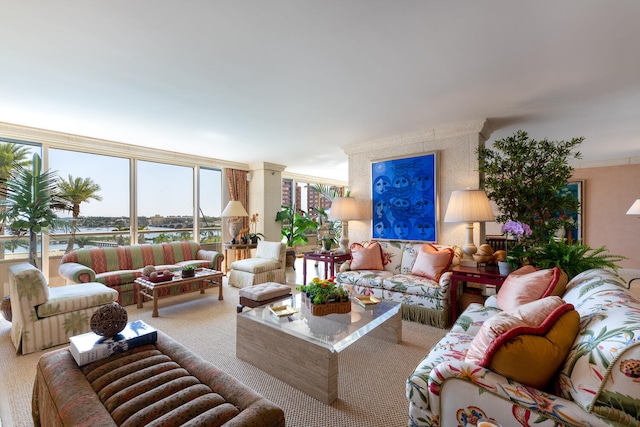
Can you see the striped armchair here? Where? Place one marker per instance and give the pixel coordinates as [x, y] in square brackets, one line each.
[44, 317]
[118, 267]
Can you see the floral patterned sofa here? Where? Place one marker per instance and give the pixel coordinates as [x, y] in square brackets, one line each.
[597, 384]
[118, 267]
[423, 300]
[44, 317]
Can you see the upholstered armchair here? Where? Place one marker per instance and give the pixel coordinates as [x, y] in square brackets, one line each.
[268, 266]
[44, 317]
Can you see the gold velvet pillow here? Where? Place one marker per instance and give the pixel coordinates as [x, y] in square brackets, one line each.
[366, 257]
[528, 284]
[431, 262]
[527, 344]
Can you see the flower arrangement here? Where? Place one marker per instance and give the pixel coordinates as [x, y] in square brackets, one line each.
[519, 231]
[253, 224]
[324, 291]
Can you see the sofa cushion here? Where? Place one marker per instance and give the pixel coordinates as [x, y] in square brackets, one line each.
[100, 259]
[145, 254]
[175, 252]
[370, 278]
[366, 257]
[529, 343]
[65, 299]
[528, 284]
[118, 277]
[431, 262]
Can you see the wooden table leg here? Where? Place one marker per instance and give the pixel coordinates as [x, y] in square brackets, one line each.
[155, 302]
[136, 291]
[304, 270]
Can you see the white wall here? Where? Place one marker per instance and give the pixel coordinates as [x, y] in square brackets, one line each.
[456, 146]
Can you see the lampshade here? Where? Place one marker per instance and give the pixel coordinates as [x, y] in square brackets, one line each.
[635, 208]
[234, 208]
[344, 209]
[469, 206]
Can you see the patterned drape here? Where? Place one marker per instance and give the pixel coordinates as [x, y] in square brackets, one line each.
[239, 190]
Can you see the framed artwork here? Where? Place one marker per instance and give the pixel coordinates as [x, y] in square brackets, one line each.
[403, 197]
[577, 189]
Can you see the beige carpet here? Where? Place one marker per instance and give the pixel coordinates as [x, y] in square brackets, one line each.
[371, 378]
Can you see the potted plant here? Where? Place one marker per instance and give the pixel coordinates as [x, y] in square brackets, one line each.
[573, 258]
[524, 177]
[31, 197]
[294, 228]
[188, 271]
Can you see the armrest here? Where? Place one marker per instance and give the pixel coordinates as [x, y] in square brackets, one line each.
[445, 280]
[214, 257]
[76, 273]
[519, 400]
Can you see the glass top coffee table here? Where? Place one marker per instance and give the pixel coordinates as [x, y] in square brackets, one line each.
[302, 349]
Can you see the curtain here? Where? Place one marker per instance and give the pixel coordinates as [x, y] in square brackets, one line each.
[239, 190]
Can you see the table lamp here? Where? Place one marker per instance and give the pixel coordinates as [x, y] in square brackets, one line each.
[635, 208]
[469, 206]
[344, 209]
[234, 211]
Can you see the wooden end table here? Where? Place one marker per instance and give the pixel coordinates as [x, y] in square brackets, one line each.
[483, 275]
[328, 258]
[146, 288]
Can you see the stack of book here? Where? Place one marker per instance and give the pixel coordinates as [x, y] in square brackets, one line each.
[89, 347]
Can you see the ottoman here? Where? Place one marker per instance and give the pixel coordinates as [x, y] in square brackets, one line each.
[265, 293]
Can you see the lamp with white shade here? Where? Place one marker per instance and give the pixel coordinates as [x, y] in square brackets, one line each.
[234, 212]
[469, 206]
[635, 208]
[344, 209]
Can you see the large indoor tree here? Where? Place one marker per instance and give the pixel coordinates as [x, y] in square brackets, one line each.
[11, 156]
[525, 178]
[76, 191]
[31, 198]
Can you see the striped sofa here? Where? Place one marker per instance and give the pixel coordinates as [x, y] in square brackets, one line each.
[118, 267]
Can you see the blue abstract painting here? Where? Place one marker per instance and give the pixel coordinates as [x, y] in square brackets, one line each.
[403, 196]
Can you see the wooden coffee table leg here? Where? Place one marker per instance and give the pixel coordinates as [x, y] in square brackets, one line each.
[137, 291]
[220, 296]
[155, 302]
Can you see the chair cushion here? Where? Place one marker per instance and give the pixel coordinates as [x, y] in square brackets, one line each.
[65, 299]
[431, 262]
[256, 265]
[529, 343]
[264, 291]
[528, 284]
[269, 250]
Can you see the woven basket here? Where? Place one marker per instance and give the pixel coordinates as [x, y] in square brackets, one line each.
[332, 307]
[5, 308]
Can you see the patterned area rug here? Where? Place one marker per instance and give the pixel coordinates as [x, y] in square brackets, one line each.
[371, 378]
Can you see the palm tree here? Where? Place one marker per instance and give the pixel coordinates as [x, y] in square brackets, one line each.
[31, 197]
[11, 156]
[77, 191]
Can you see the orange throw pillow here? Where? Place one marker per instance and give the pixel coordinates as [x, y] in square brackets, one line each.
[528, 284]
[527, 344]
[366, 257]
[431, 262]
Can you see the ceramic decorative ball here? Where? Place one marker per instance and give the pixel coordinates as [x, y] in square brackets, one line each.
[109, 320]
[148, 270]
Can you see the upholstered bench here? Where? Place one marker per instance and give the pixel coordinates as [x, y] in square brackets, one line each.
[161, 384]
[262, 294]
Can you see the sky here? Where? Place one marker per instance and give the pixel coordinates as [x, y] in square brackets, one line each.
[160, 189]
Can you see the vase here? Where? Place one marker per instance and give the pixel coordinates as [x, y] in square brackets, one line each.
[504, 268]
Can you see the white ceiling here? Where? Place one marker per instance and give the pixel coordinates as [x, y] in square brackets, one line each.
[292, 81]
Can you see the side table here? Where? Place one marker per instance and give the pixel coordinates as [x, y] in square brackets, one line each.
[483, 275]
[242, 251]
[328, 258]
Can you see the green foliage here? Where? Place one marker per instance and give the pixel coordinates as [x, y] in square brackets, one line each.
[324, 291]
[572, 258]
[524, 177]
[295, 225]
[31, 197]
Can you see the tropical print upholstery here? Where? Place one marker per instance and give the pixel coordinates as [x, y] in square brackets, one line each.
[159, 384]
[269, 265]
[44, 317]
[598, 385]
[423, 300]
[118, 267]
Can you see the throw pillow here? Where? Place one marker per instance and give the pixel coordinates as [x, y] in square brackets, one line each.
[528, 284]
[431, 262]
[527, 344]
[366, 257]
